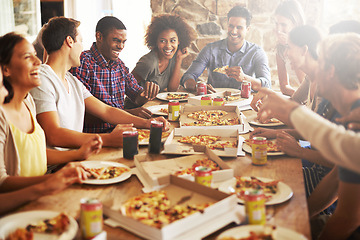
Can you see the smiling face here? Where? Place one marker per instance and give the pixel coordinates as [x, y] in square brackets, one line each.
[23, 69]
[295, 55]
[167, 43]
[112, 44]
[283, 26]
[237, 31]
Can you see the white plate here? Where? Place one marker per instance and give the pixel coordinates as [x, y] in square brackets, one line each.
[163, 95]
[99, 164]
[244, 231]
[156, 109]
[232, 90]
[259, 124]
[247, 148]
[12, 222]
[283, 194]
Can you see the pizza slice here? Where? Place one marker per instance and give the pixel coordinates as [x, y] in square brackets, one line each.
[221, 69]
[201, 162]
[244, 184]
[176, 96]
[56, 225]
[144, 135]
[20, 234]
[106, 172]
[271, 145]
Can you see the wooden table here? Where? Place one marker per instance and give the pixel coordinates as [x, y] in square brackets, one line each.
[292, 214]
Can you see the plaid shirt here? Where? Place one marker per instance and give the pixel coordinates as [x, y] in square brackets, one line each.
[108, 82]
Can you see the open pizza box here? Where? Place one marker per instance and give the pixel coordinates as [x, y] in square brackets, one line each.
[173, 146]
[223, 211]
[155, 174]
[232, 112]
[236, 100]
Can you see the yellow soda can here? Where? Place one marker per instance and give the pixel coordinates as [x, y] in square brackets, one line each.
[255, 207]
[259, 150]
[91, 217]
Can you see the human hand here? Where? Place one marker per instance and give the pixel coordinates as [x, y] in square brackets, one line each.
[93, 146]
[151, 90]
[68, 175]
[288, 144]
[182, 53]
[256, 102]
[275, 105]
[166, 124]
[210, 88]
[115, 138]
[140, 112]
[264, 132]
[236, 73]
[282, 38]
[352, 119]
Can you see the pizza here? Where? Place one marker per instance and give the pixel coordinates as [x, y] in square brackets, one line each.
[221, 69]
[154, 209]
[269, 233]
[20, 234]
[164, 110]
[106, 172]
[144, 134]
[244, 184]
[210, 118]
[208, 140]
[231, 98]
[176, 96]
[205, 162]
[271, 145]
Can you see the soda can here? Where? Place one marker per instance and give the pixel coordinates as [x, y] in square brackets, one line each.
[206, 101]
[218, 101]
[91, 217]
[259, 151]
[130, 144]
[203, 175]
[174, 110]
[201, 88]
[245, 89]
[255, 206]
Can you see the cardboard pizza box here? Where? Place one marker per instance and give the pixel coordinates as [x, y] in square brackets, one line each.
[155, 174]
[196, 100]
[233, 111]
[223, 211]
[172, 146]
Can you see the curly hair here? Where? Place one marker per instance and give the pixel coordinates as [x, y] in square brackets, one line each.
[186, 34]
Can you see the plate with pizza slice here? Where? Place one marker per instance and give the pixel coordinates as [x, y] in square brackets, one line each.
[272, 148]
[144, 136]
[105, 172]
[161, 110]
[42, 225]
[250, 232]
[270, 123]
[179, 96]
[275, 191]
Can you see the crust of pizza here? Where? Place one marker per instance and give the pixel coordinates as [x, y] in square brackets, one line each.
[221, 69]
[176, 96]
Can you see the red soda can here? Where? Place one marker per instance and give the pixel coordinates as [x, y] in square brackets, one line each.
[203, 175]
[201, 88]
[245, 89]
[91, 217]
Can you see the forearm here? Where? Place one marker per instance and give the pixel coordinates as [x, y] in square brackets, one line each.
[13, 183]
[314, 156]
[324, 194]
[118, 116]
[175, 78]
[12, 200]
[63, 137]
[255, 83]
[59, 157]
[285, 87]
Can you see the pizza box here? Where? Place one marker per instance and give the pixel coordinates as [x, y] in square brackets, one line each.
[233, 111]
[156, 173]
[223, 211]
[172, 146]
[196, 100]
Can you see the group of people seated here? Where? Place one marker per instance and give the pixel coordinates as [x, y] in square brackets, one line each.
[78, 101]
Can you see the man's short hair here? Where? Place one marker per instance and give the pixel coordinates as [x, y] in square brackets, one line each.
[239, 11]
[106, 24]
[56, 31]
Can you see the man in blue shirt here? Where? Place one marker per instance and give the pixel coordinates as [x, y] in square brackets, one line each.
[246, 61]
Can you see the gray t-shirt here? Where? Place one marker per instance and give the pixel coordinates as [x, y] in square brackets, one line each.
[52, 95]
[148, 68]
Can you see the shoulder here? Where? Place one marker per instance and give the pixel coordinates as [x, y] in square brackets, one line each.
[216, 45]
[29, 102]
[149, 59]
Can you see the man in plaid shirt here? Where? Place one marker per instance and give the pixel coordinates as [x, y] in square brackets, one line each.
[105, 75]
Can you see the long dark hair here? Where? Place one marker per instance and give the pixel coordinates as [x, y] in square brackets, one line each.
[7, 45]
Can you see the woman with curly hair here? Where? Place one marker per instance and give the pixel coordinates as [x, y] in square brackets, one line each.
[168, 38]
